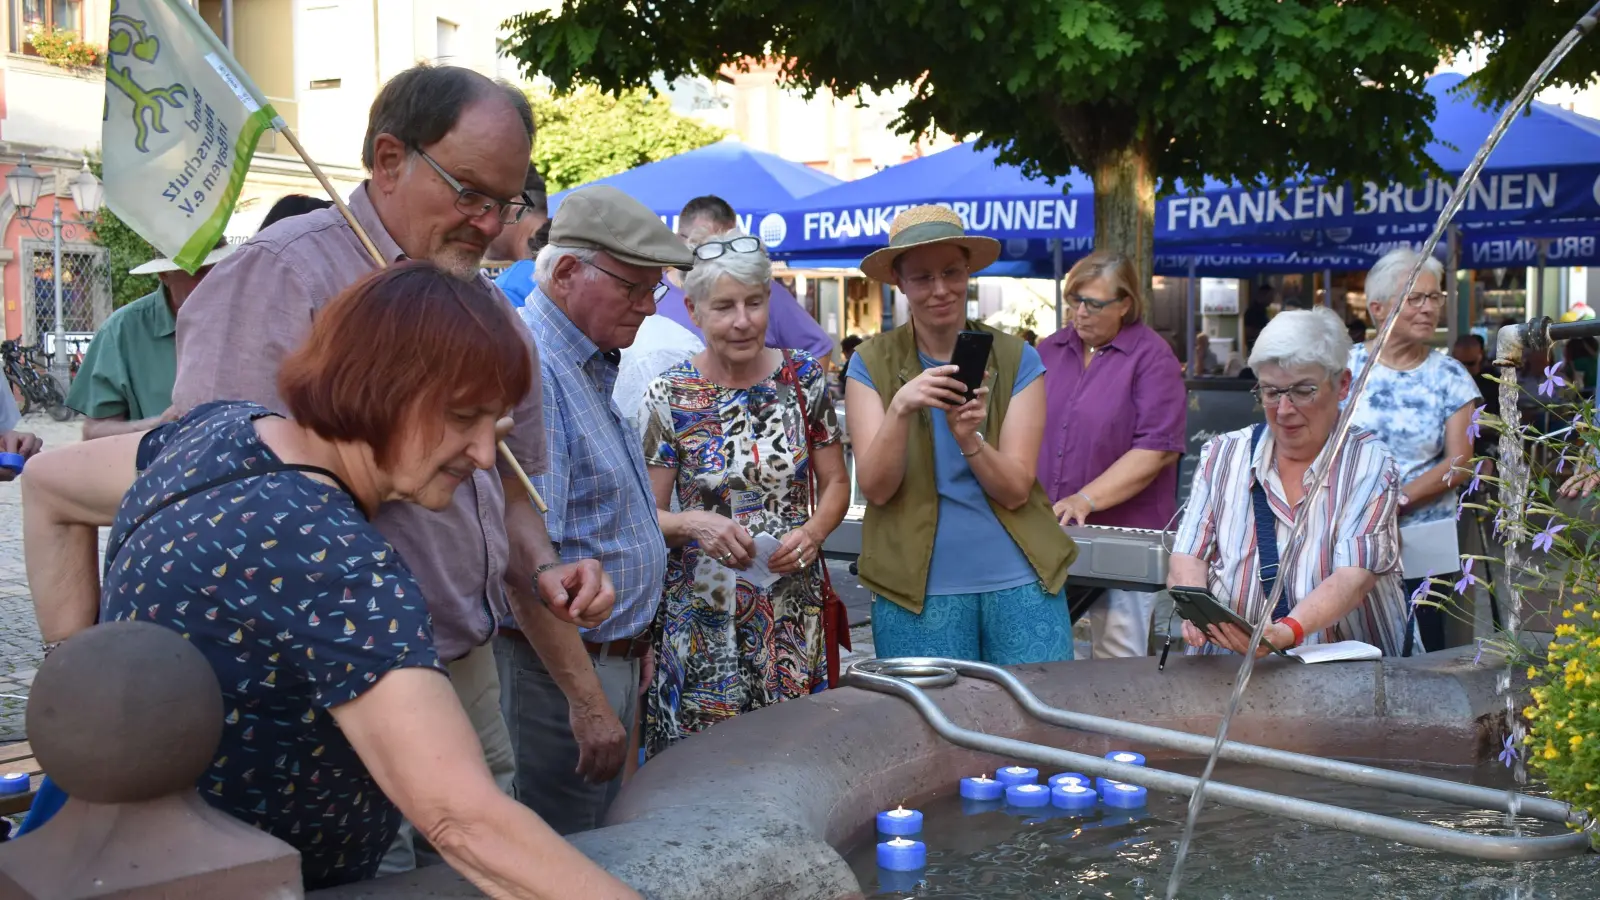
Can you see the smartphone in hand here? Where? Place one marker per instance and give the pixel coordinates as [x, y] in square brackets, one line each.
[971, 356]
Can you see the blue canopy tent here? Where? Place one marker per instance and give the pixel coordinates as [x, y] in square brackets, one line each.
[752, 181]
[1543, 181]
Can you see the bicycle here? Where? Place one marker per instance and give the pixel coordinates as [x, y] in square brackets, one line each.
[30, 381]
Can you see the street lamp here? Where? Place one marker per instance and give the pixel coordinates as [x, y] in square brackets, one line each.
[24, 184]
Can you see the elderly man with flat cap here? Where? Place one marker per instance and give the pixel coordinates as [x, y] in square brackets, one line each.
[596, 282]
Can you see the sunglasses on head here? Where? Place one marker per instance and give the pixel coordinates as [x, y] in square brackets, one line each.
[714, 249]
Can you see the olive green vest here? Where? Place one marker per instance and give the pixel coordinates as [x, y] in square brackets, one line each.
[897, 537]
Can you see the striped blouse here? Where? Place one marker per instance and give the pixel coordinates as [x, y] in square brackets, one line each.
[1352, 524]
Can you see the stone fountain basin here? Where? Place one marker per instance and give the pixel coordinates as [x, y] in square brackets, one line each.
[753, 808]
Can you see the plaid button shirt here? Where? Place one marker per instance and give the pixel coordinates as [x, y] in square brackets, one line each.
[601, 505]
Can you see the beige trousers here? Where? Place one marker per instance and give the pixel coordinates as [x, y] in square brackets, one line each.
[477, 683]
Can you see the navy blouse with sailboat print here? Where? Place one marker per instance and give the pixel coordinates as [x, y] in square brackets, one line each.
[298, 604]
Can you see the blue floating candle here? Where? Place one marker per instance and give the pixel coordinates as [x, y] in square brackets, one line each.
[1028, 795]
[900, 821]
[1124, 796]
[1011, 775]
[1102, 783]
[899, 882]
[902, 855]
[982, 788]
[1070, 778]
[1073, 797]
[14, 783]
[12, 461]
[1126, 757]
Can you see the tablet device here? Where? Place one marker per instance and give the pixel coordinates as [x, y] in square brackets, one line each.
[1202, 609]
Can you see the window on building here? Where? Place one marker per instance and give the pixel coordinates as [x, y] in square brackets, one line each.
[29, 16]
[445, 48]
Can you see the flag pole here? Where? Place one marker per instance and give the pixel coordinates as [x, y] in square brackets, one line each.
[283, 128]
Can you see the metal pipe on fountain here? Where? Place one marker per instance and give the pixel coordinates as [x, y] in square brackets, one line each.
[885, 676]
[1512, 343]
[935, 672]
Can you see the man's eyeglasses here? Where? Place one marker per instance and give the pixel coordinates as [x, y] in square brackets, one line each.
[636, 290]
[1419, 299]
[955, 275]
[714, 249]
[473, 204]
[1075, 300]
[1299, 395]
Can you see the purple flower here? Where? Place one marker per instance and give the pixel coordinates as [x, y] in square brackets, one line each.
[1551, 380]
[1543, 539]
[1476, 427]
[1477, 477]
[1509, 753]
[1478, 657]
[1561, 464]
[1422, 589]
[1500, 523]
[1461, 505]
[1467, 578]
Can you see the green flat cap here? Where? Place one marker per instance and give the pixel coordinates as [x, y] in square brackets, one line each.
[604, 218]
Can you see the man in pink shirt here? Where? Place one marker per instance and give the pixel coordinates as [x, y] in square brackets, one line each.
[448, 151]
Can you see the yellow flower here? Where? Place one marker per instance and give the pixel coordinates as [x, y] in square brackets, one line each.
[1550, 752]
[1575, 740]
[1565, 630]
[1578, 607]
[1566, 614]
[1532, 673]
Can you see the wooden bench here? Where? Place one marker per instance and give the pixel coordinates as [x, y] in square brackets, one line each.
[18, 757]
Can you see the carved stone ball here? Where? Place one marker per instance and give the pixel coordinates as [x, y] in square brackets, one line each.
[124, 712]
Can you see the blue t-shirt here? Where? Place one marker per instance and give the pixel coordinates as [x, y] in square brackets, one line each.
[517, 282]
[298, 604]
[1407, 411]
[972, 552]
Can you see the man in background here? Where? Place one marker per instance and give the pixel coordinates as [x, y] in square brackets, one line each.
[789, 326]
[125, 382]
[519, 241]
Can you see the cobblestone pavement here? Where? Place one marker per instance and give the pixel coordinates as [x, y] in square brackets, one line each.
[19, 636]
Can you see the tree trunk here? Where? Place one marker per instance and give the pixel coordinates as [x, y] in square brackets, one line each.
[1125, 205]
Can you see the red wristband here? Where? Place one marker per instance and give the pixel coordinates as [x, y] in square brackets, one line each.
[1298, 629]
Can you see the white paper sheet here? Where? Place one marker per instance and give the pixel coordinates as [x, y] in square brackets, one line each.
[758, 574]
[1430, 547]
[1341, 651]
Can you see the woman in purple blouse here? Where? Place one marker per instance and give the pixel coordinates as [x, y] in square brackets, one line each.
[1114, 428]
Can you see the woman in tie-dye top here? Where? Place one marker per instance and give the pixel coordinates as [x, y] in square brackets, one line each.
[247, 533]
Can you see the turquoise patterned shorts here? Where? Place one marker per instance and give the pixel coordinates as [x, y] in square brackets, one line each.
[1006, 628]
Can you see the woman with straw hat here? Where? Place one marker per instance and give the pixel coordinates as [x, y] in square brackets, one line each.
[959, 546]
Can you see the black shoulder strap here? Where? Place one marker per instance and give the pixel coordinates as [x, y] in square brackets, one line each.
[1266, 531]
[186, 493]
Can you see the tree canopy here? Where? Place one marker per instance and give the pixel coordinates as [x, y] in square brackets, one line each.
[1136, 93]
[589, 134]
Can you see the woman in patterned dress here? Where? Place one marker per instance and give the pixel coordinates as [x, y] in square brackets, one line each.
[732, 432]
[248, 533]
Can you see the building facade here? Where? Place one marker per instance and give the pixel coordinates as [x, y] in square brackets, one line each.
[320, 62]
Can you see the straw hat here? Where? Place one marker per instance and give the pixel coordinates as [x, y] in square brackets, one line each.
[162, 264]
[922, 226]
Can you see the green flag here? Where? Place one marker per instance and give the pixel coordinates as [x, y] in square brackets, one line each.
[181, 124]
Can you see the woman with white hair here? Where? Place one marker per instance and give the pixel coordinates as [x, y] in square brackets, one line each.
[1418, 402]
[1344, 584]
[736, 433]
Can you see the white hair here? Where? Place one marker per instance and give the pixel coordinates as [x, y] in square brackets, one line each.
[745, 268]
[1386, 278]
[544, 266]
[1303, 337]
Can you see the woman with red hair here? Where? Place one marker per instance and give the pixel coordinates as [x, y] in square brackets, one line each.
[248, 533]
